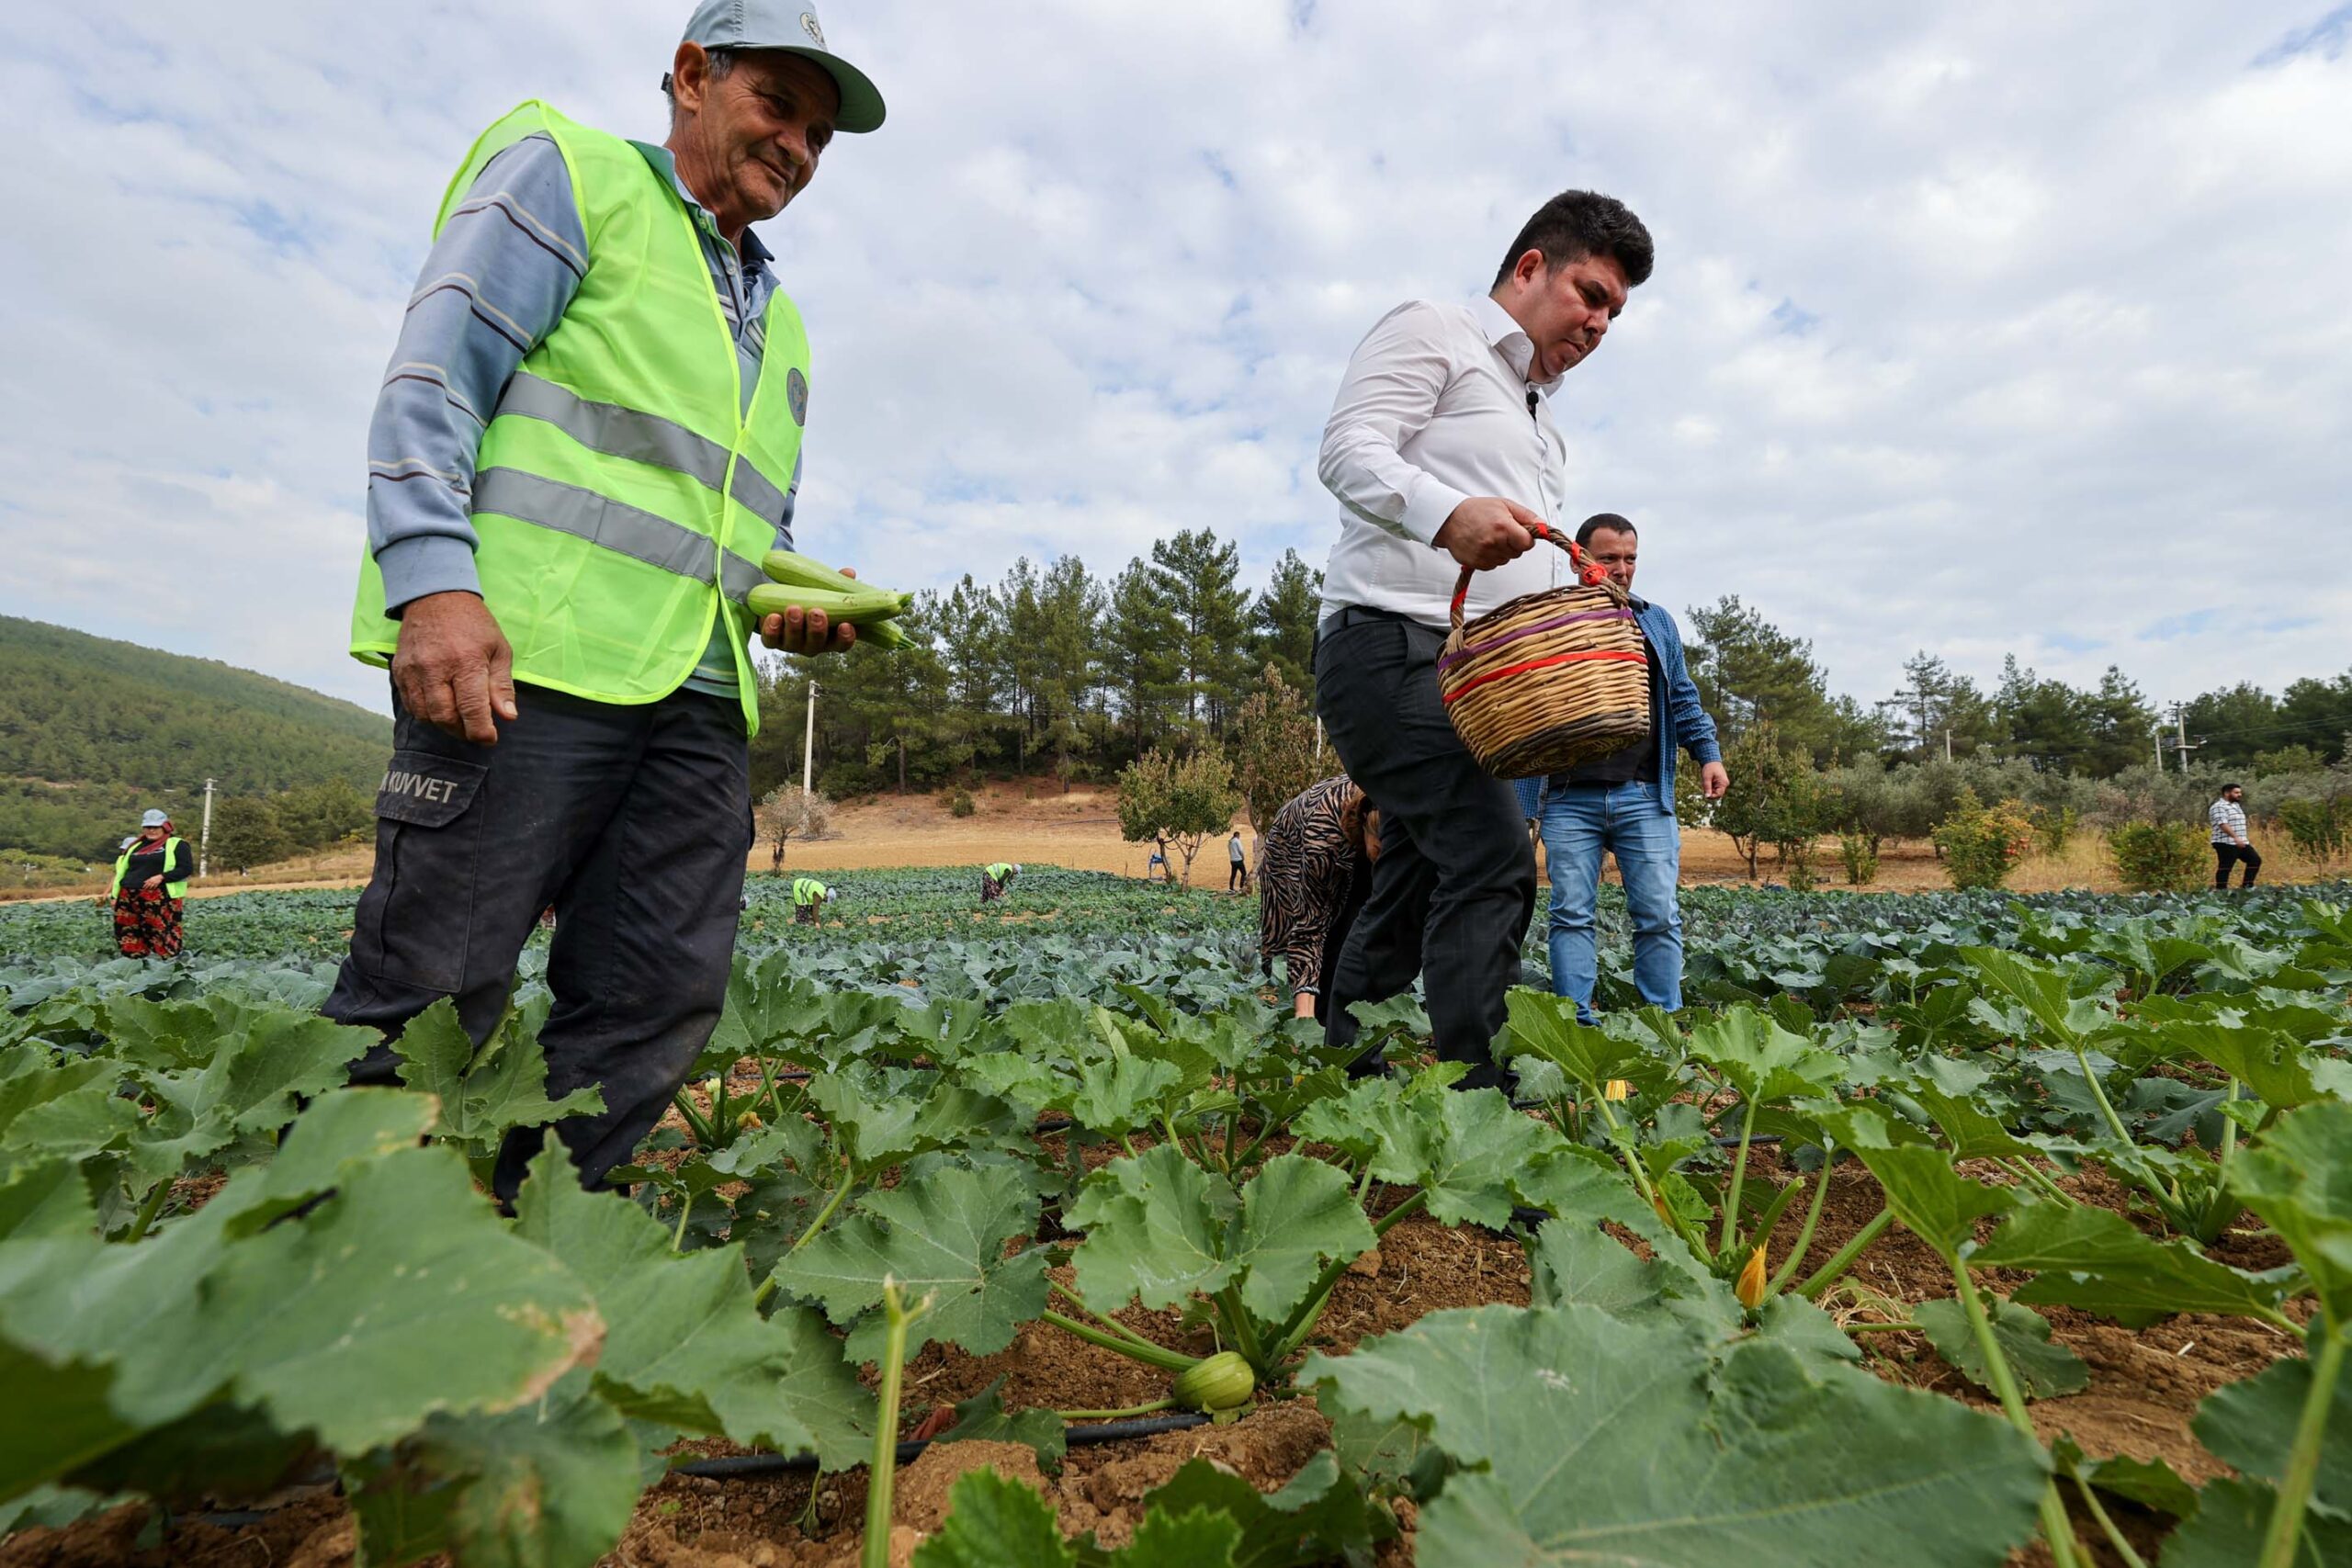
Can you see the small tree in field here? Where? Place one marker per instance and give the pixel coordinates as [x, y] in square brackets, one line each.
[1187, 801]
[1982, 843]
[245, 833]
[1776, 798]
[1272, 747]
[786, 813]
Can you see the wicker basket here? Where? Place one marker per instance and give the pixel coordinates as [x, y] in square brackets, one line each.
[1548, 679]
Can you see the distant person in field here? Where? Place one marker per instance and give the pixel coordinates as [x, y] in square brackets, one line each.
[150, 891]
[1622, 804]
[2231, 846]
[1237, 876]
[1158, 863]
[1442, 454]
[995, 878]
[809, 897]
[588, 436]
[1313, 873]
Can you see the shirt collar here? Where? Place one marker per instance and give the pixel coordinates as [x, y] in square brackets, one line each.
[754, 253]
[1511, 340]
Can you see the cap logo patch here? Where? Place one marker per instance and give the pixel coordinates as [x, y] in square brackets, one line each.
[809, 25]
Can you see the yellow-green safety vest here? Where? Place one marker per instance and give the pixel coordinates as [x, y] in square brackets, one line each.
[999, 871]
[808, 890]
[623, 494]
[171, 889]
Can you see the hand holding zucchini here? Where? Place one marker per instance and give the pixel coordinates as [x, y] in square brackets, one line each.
[797, 582]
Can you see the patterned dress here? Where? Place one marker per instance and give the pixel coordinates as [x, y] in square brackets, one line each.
[1311, 881]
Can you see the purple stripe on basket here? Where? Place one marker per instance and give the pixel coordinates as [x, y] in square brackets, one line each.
[1472, 650]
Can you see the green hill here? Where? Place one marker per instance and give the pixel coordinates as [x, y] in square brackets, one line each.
[91, 730]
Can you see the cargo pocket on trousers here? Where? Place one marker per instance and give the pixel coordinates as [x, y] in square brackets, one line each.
[415, 920]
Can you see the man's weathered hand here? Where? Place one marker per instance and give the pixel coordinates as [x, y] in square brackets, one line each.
[1715, 781]
[1485, 531]
[809, 631]
[454, 669]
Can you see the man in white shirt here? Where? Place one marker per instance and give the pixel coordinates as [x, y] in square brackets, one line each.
[1443, 454]
[2231, 846]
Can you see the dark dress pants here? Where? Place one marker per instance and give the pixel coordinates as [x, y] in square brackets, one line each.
[1455, 885]
[634, 822]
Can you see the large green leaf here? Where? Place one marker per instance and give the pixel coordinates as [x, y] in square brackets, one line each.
[2046, 995]
[2274, 1067]
[2250, 1426]
[1296, 1214]
[60, 1415]
[1544, 1025]
[483, 1093]
[2043, 1368]
[2300, 1179]
[2227, 1530]
[1933, 1201]
[1317, 1518]
[942, 1237]
[2093, 1259]
[683, 1344]
[1594, 1440]
[879, 1127]
[1120, 1094]
[984, 1419]
[1765, 1062]
[1155, 1229]
[548, 1486]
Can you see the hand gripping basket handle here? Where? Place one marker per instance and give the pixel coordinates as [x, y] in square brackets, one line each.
[1590, 572]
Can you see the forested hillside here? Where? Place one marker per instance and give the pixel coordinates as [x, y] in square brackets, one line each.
[91, 729]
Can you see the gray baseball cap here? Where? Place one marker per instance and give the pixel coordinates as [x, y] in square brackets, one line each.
[154, 820]
[792, 27]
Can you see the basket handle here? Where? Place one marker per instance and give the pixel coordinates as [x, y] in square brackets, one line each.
[1590, 572]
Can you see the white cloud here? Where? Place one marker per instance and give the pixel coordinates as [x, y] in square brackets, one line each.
[1983, 328]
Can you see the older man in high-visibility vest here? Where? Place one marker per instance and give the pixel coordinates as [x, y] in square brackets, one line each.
[588, 436]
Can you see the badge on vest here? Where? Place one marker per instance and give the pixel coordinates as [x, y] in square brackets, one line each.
[796, 397]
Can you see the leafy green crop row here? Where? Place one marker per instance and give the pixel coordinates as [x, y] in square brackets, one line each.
[860, 1172]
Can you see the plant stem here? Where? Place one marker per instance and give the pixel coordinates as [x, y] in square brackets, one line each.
[2037, 1179]
[1116, 1415]
[1150, 1355]
[2303, 1461]
[1240, 1329]
[1111, 1323]
[2219, 1210]
[2066, 1552]
[149, 1210]
[685, 1212]
[2114, 1537]
[1805, 1233]
[849, 1178]
[876, 1553]
[1882, 1327]
[1738, 1177]
[2107, 1106]
[1827, 1275]
[1294, 1329]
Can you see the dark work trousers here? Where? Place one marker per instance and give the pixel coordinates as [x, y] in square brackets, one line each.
[1456, 881]
[2224, 855]
[633, 821]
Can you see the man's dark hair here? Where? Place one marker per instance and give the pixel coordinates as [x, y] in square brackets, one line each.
[2227, 787]
[1600, 520]
[1579, 223]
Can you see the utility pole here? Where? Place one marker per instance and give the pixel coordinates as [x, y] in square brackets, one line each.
[2156, 735]
[2180, 731]
[1947, 743]
[204, 835]
[808, 747]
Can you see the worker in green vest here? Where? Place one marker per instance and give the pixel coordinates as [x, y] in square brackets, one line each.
[587, 437]
[808, 896]
[150, 890]
[995, 877]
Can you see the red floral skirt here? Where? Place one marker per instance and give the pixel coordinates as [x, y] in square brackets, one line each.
[147, 923]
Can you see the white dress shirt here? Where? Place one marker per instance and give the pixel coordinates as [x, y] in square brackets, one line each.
[1435, 408]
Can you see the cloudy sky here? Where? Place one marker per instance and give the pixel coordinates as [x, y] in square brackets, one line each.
[1985, 329]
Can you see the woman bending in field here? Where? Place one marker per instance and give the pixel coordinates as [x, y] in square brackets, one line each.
[1313, 873]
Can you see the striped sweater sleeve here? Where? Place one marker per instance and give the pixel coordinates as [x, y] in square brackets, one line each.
[498, 278]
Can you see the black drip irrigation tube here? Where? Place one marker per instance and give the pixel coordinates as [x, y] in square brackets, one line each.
[744, 1467]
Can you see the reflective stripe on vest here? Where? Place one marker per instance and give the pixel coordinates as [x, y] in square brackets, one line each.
[807, 890]
[624, 492]
[171, 889]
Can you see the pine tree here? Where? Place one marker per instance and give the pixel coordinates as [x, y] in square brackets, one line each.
[1141, 670]
[1283, 623]
[1199, 579]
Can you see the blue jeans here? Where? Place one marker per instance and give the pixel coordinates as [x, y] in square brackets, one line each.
[1580, 821]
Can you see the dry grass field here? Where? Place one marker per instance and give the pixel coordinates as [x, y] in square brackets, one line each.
[1035, 822]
